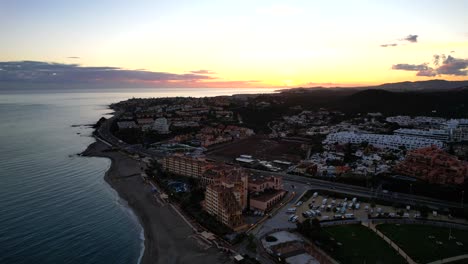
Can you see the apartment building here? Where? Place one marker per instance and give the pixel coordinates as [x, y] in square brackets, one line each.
[382, 141]
[185, 166]
[221, 202]
[437, 134]
[433, 165]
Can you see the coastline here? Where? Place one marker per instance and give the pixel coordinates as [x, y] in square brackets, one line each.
[168, 239]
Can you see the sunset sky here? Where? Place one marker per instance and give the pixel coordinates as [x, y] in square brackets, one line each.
[208, 43]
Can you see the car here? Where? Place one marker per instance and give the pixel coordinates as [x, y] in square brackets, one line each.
[349, 216]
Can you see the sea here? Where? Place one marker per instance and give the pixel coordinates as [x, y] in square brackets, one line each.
[55, 206]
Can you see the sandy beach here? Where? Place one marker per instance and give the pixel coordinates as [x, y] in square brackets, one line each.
[168, 239]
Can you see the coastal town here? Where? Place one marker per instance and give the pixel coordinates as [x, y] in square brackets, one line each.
[267, 181]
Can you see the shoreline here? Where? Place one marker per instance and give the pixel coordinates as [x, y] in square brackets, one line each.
[167, 238]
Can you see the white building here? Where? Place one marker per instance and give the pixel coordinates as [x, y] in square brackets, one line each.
[438, 134]
[416, 121]
[161, 125]
[458, 129]
[126, 124]
[381, 141]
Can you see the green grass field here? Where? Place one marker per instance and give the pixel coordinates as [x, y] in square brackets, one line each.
[358, 244]
[427, 243]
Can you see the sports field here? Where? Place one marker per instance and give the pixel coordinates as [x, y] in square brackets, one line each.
[427, 243]
[358, 244]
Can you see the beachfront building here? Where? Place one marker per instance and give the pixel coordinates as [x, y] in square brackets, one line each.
[221, 202]
[381, 141]
[185, 166]
[433, 165]
[226, 194]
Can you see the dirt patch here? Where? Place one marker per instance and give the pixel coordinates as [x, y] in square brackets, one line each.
[260, 148]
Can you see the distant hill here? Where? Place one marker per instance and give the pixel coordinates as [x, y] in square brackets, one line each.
[423, 86]
[419, 86]
[452, 103]
[448, 103]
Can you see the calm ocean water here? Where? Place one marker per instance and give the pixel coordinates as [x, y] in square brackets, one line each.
[55, 206]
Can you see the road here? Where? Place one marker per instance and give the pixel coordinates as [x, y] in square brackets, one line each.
[361, 191]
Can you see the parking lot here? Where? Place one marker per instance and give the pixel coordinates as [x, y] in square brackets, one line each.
[332, 208]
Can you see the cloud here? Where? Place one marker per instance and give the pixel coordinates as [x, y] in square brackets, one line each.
[453, 66]
[203, 72]
[427, 73]
[43, 72]
[443, 65]
[411, 38]
[19, 74]
[410, 67]
[389, 45]
[73, 57]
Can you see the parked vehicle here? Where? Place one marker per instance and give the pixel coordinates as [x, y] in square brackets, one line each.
[349, 216]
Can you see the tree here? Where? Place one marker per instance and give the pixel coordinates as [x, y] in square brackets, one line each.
[251, 245]
[424, 211]
[310, 228]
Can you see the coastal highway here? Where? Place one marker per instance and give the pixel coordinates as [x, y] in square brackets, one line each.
[104, 133]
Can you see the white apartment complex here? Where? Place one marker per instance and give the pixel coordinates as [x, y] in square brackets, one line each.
[453, 130]
[437, 134]
[381, 141]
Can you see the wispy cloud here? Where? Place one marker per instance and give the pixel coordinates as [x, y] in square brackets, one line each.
[203, 72]
[411, 38]
[410, 67]
[442, 65]
[73, 57]
[389, 45]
